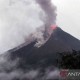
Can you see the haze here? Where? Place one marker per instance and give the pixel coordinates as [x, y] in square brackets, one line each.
[18, 18]
[68, 16]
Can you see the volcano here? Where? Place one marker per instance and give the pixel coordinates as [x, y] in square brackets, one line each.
[58, 42]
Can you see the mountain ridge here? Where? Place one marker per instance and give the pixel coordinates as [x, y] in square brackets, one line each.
[58, 42]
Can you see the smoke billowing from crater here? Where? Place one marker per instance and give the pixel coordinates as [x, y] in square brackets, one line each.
[19, 18]
[49, 10]
[49, 20]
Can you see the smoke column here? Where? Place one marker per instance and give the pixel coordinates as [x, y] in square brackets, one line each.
[49, 10]
[18, 19]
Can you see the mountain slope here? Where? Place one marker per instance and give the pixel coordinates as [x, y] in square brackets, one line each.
[29, 62]
[59, 41]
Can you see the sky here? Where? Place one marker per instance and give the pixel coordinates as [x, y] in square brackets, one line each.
[68, 16]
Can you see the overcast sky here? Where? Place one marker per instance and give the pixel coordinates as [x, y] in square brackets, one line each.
[68, 16]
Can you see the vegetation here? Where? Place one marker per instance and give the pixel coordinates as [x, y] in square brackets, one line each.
[69, 60]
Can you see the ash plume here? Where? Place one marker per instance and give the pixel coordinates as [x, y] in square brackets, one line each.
[20, 18]
[49, 20]
[49, 10]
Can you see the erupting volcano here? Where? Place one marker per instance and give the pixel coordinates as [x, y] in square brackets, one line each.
[35, 59]
[53, 27]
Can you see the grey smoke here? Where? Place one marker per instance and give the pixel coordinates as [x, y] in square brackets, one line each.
[31, 75]
[17, 20]
[49, 10]
[20, 18]
[8, 71]
[49, 20]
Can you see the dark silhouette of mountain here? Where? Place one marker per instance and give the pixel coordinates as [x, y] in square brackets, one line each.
[69, 60]
[45, 55]
[29, 62]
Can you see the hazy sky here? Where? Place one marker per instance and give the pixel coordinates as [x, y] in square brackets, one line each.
[68, 16]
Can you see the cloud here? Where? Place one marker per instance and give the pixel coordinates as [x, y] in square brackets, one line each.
[18, 18]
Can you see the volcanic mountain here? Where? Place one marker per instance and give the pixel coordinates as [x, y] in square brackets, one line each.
[59, 41]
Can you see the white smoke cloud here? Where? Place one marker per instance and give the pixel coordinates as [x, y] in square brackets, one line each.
[18, 18]
[31, 75]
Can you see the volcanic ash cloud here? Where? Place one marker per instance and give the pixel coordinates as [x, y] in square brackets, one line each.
[20, 18]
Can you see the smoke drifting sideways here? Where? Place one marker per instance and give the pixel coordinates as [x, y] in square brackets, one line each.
[19, 18]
